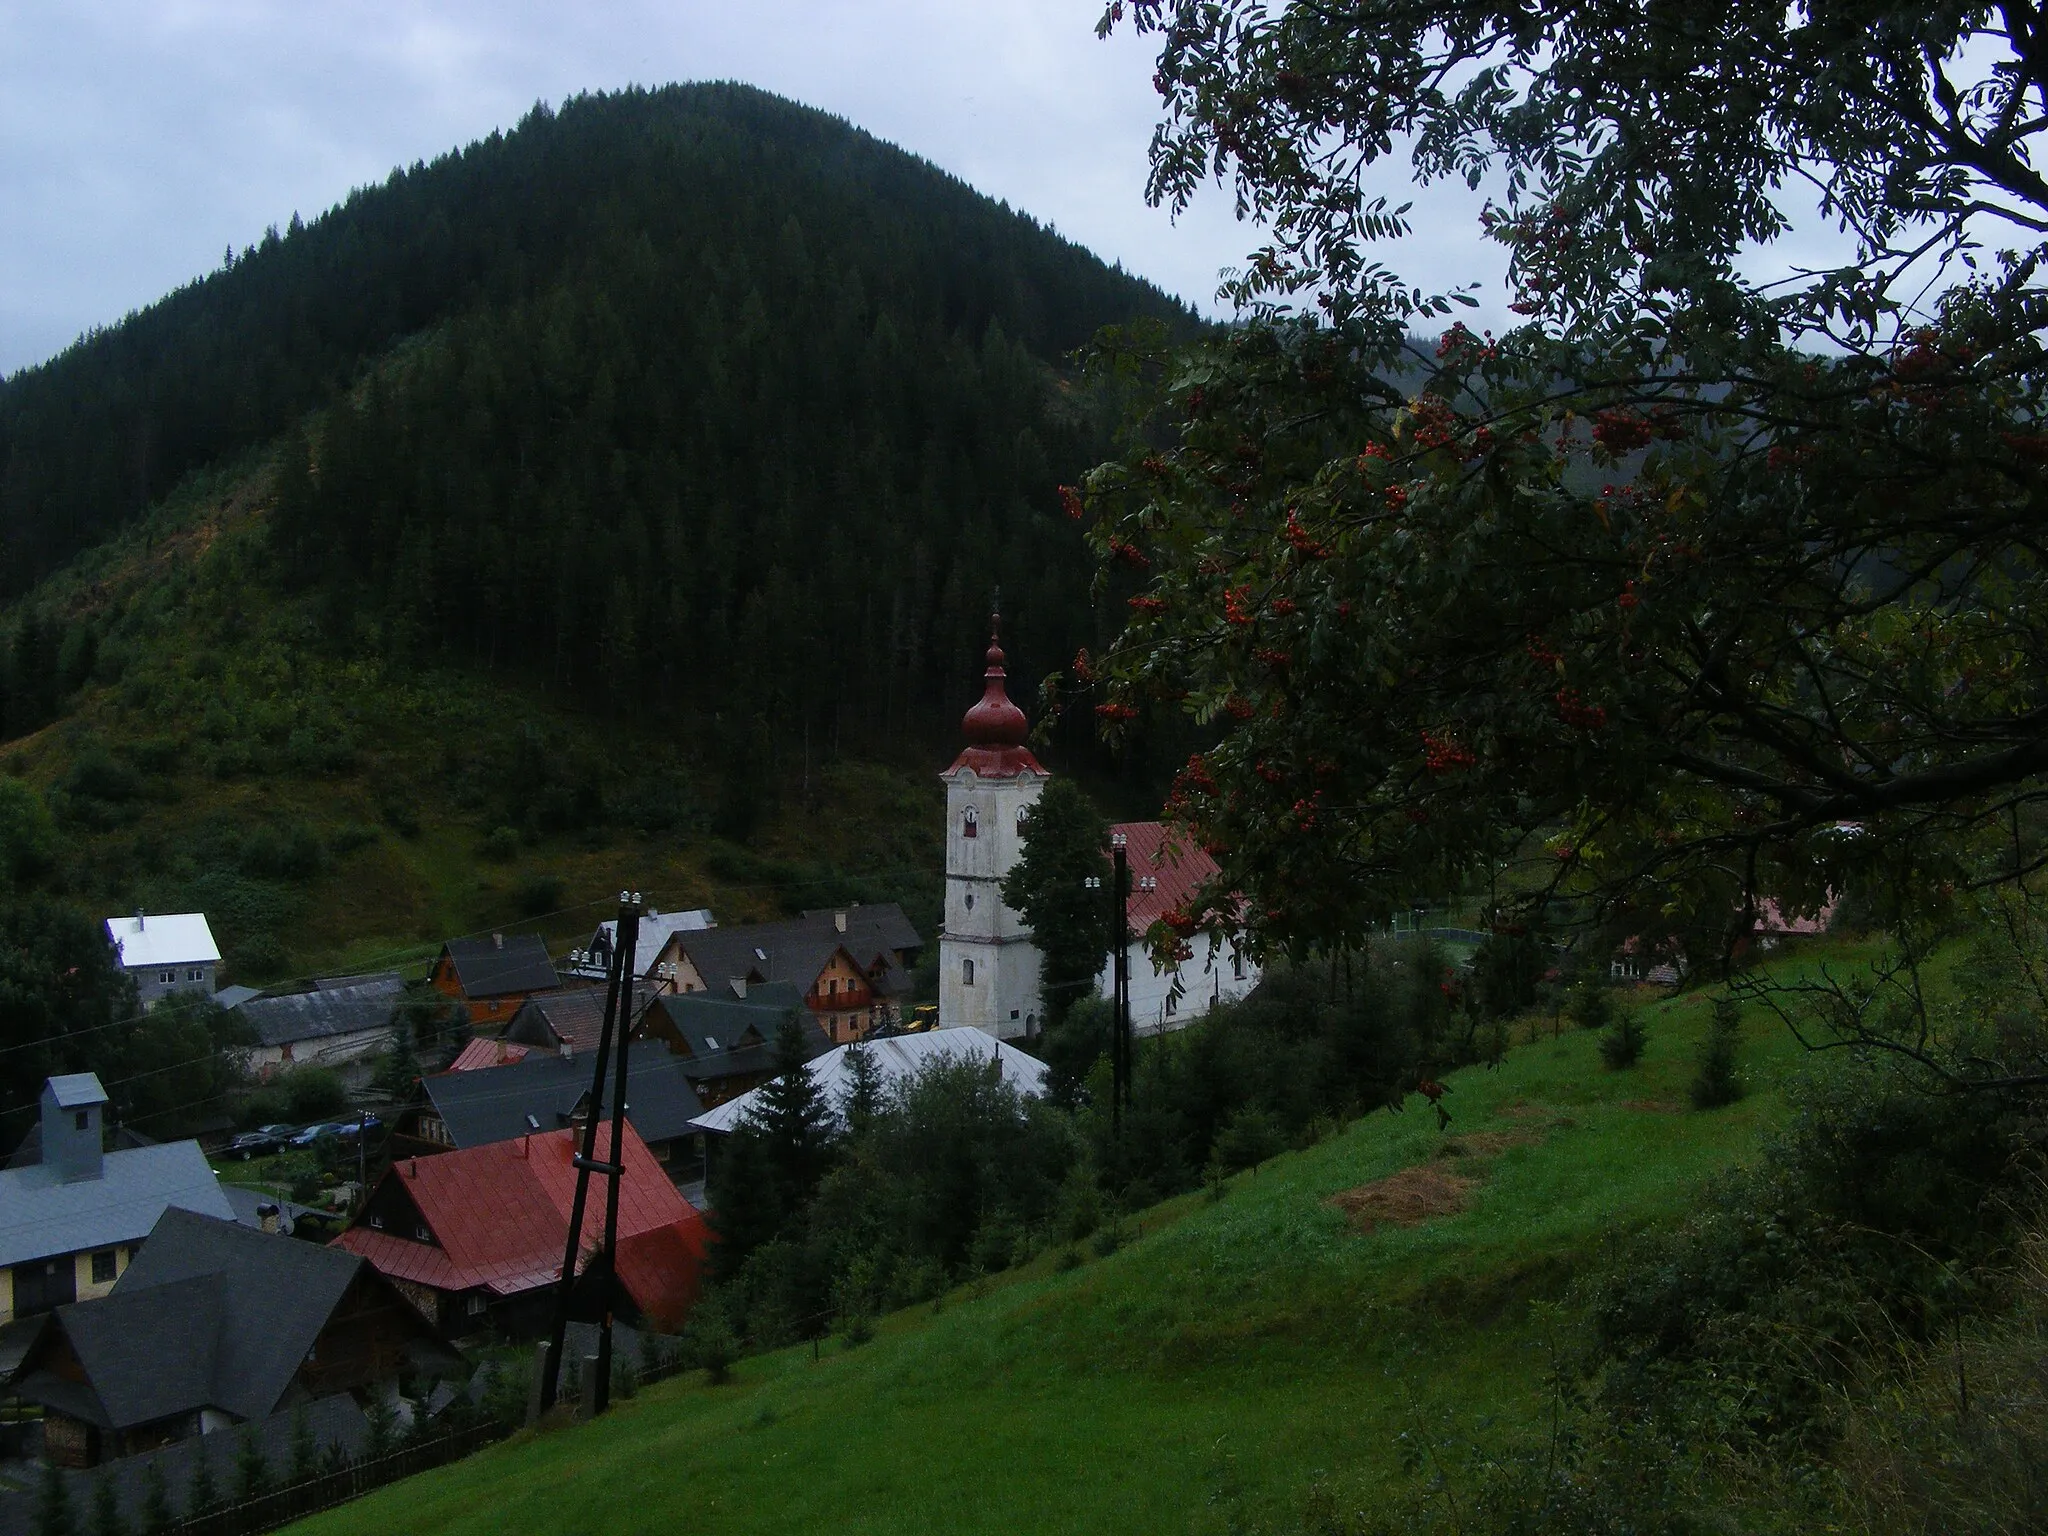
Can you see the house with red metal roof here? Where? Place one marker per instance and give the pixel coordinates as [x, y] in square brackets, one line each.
[1167, 870]
[473, 1238]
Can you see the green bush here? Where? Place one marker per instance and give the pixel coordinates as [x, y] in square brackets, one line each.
[266, 1106]
[539, 895]
[1592, 1005]
[311, 1093]
[501, 846]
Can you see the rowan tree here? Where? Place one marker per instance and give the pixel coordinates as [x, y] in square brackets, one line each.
[1698, 589]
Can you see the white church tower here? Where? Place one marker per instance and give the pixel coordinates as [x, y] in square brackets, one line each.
[988, 966]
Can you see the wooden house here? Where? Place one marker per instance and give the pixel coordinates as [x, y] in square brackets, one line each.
[491, 977]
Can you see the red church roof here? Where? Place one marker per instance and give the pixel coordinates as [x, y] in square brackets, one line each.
[1178, 867]
[499, 1213]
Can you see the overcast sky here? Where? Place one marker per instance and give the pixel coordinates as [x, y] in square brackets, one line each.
[139, 138]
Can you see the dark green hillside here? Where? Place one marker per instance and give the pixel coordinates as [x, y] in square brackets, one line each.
[697, 379]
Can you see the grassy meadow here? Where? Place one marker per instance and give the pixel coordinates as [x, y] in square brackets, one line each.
[1234, 1361]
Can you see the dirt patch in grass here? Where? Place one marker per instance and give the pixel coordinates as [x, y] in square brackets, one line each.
[1485, 1143]
[1405, 1199]
[1654, 1106]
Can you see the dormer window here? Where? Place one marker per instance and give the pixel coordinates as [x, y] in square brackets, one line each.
[970, 823]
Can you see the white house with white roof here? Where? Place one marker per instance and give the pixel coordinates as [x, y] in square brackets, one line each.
[165, 953]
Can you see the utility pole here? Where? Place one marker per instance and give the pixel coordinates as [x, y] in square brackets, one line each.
[362, 1157]
[599, 1277]
[1120, 1048]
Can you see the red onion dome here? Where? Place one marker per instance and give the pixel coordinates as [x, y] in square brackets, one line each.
[995, 721]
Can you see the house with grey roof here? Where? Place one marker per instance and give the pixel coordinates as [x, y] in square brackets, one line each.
[653, 950]
[546, 1092]
[725, 1038]
[850, 964]
[491, 977]
[329, 1023]
[71, 1224]
[170, 952]
[214, 1325]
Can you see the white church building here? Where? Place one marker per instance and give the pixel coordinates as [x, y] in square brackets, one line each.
[988, 966]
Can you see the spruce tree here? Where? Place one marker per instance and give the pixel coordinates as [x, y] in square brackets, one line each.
[862, 1103]
[252, 1468]
[106, 1507]
[1717, 1082]
[793, 1119]
[158, 1514]
[305, 1451]
[53, 1507]
[1064, 842]
[202, 1496]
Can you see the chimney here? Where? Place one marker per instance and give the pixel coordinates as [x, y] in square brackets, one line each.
[497, 941]
[138, 919]
[568, 1051]
[72, 1106]
[839, 920]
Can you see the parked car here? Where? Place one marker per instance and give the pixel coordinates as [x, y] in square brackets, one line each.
[257, 1143]
[312, 1135]
[348, 1130]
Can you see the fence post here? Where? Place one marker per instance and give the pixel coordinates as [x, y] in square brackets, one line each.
[587, 1390]
[536, 1390]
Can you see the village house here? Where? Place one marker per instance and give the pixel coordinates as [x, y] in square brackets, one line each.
[70, 1225]
[491, 977]
[546, 1092]
[570, 1021]
[896, 1060]
[850, 965]
[725, 1039]
[211, 1326]
[171, 952]
[655, 952]
[330, 1023]
[1167, 869]
[474, 1238]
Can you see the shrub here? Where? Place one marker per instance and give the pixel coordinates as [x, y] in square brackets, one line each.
[1591, 1007]
[1717, 1083]
[708, 1340]
[1621, 1046]
[311, 1093]
[501, 845]
[266, 1106]
[538, 895]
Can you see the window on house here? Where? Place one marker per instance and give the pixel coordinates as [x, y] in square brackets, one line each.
[476, 1304]
[970, 824]
[1023, 815]
[832, 986]
[103, 1267]
[966, 973]
[83, 1119]
[195, 974]
[377, 1221]
[167, 978]
[1237, 964]
[422, 1234]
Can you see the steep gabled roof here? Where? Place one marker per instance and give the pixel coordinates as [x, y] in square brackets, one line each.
[574, 1016]
[499, 1214]
[208, 1315]
[799, 948]
[1169, 858]
[728, 1036]
[493, 1103]
[487, 967]
[483, 1053]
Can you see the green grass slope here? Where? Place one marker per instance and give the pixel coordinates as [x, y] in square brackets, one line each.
[1206, 1377]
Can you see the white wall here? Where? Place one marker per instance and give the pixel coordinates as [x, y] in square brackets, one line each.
[1208, 976]
[1002, 999]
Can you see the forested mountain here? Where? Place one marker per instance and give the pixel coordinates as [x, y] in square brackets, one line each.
[693, 400]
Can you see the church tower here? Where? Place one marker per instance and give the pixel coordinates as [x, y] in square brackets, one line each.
[988, 966]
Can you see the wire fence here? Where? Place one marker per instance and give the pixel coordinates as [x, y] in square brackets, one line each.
[269, 1511]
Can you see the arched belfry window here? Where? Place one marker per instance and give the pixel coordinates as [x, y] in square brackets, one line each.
[967, 973]
[1023, 815]
[970, 823]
